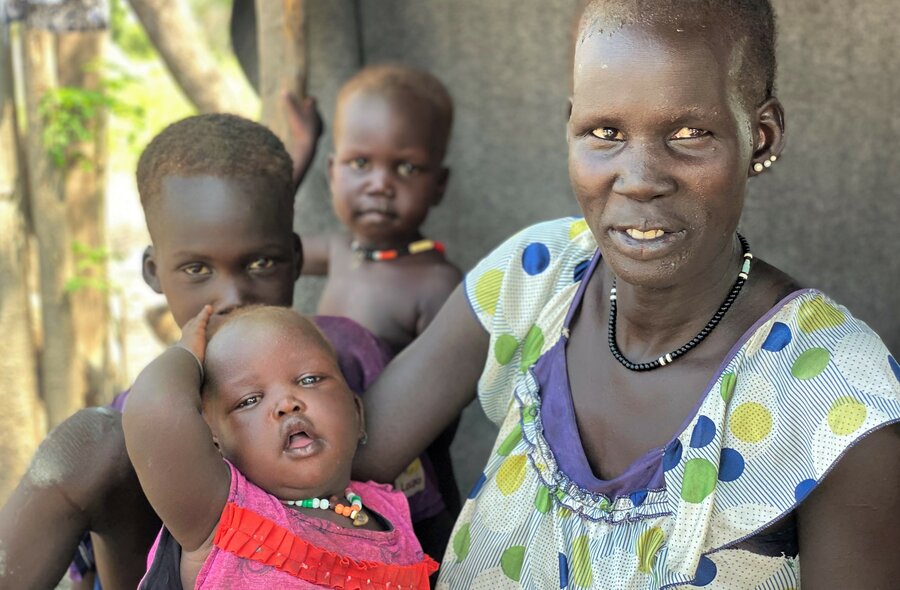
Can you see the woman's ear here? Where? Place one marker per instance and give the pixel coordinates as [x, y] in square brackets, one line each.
[769, 136]
[148, 270]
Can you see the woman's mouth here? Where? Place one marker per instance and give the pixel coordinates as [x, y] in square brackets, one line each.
[645, 244]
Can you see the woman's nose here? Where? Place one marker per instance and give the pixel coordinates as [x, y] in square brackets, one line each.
[642, 174]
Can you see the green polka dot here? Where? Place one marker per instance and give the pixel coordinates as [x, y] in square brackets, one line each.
[461, 541]
[542, 500]
[726, 387]
[605, 505]
[511, 562]
[699, 480]
[648, 544]
[751, 422]
[577, 228]
[511, 474]
[581, 574]
[810, 363]
[816, 314]
[563, 512]
[504, 348]
[510, 442]
[487, 290]
[531, 349]
[528, 413]
[846, 416]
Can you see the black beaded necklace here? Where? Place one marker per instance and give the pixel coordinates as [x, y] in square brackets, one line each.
[669, 358]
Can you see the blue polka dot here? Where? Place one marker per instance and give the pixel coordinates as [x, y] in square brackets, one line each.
[779, 337]
[672, 455]
[563, 571]
[580, 269]
[803, 489]
[535, 258]
[706, 572]
[638, 497]
[477, 487]
[894, 367]
[704, 432]
[731, 465]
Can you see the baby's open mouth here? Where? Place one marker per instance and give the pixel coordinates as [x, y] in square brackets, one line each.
[299, 440]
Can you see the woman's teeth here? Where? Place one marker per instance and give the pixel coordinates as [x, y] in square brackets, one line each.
[650, 234]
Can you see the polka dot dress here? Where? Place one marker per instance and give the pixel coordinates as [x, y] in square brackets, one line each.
[806, 382]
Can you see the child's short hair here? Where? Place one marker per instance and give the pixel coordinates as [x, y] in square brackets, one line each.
[397, 80]
[221, 145]
[749, 24]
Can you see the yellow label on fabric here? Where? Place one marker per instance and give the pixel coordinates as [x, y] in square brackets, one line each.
[412, 480]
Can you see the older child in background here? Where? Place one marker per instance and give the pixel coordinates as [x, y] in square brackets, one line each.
[391, 129]
[217, 194]
[673, 411]
[256, 486]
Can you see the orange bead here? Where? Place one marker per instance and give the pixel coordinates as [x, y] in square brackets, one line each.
[346, 511]
[339, 508]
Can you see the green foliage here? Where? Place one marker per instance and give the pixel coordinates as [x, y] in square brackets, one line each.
[68, 114]
[128, 34]
[90, 269]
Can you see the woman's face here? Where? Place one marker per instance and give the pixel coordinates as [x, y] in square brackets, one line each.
[659, 151]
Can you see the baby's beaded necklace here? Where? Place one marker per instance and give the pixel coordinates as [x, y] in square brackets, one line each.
[353, 511]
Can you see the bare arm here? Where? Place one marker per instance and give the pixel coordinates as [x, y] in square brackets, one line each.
[441, 286]
[171, 447]
[422, 391]
[316, 254]
[305, 129]
[848, 526]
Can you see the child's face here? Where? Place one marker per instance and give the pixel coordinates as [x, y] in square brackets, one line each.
[281, 410]
[659, 149]
[386, 170]
[221, 241]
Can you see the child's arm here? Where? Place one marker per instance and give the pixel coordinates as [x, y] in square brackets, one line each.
[316, 254]
[306, 128]
[170, 445]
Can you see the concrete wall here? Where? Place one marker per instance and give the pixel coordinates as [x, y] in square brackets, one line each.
[828, 212]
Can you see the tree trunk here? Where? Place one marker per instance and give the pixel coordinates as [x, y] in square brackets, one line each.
[60, 379]
[171, 26]
[281, 45]
[85, 188]
[20, 419]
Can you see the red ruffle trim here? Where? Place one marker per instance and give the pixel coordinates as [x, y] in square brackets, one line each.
[252, 536]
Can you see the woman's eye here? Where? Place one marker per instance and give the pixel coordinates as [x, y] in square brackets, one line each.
[249, 401]
[196, 269]
[309, 380]
[358, 163]
[261, 263]
[608, 134]
[689, 133]
[406, 169]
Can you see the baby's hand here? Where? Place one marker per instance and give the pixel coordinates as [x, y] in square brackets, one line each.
[193, 334]
[306, 128]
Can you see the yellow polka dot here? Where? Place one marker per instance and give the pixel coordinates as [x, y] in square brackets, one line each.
[751, 422]
[487, 290]
[511, 474]
[577, 228]
[846, 416]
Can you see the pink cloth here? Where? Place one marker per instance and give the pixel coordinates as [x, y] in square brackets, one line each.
[396, 546]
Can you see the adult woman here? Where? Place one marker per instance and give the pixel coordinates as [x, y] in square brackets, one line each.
[669, 406]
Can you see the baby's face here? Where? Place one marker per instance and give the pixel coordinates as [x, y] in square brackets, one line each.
[386, 170]
[659, 149]
[221, 241]
[280, 409]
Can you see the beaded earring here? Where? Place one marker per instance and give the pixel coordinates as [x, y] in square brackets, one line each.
[767, 163]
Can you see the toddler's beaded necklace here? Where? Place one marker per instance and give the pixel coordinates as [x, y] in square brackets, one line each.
[353, 510]
[416, 247]
[669, 358]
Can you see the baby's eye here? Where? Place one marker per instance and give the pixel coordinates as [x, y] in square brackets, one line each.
[358, 163]
[249, 401]
[196, 269]
[405, 169]
[261, 263]
[608, 134]
[309, 380]
[689, 133]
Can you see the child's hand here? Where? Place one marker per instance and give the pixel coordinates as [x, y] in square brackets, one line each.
[306, 128]
[193, 334]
